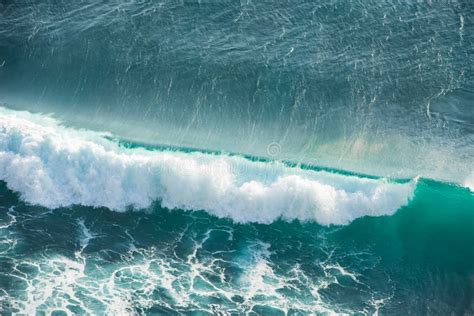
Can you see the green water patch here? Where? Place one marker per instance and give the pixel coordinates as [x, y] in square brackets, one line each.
[419, 260]
[427, 247]
[129, 144]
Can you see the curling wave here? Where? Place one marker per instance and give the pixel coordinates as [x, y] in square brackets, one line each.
[56, 166]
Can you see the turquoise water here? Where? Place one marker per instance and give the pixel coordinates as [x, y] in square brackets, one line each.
[130, 230]
[85, 260]
[236, 157]
[377, 87]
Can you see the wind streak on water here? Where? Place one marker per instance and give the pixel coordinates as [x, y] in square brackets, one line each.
[375, 87]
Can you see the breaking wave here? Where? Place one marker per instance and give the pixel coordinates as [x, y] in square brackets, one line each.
[56, 166]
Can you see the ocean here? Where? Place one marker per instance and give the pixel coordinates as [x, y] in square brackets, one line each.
[236, 157]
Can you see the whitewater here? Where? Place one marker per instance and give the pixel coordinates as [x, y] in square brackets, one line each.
[55, 166]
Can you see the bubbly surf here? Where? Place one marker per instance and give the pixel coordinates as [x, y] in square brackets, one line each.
[54, 166]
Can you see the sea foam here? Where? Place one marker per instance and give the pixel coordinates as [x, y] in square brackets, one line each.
[56, 166]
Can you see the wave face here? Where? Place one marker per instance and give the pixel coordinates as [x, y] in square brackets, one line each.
[55, 167]
[377, 87]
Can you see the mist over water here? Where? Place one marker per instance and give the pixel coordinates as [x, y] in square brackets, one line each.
[378, 87]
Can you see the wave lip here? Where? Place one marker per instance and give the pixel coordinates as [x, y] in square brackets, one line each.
[56, 166]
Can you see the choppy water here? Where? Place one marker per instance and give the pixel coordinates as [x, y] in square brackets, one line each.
[273, 238]
[379, 87]
[85, 260]
[236, 157]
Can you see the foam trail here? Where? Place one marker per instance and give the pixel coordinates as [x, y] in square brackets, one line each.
[56, 166]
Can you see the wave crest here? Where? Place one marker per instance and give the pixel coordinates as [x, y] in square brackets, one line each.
[56, 166]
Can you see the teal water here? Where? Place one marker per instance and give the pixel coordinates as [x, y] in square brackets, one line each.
[359, 86]
[84, 260]
[236, 157]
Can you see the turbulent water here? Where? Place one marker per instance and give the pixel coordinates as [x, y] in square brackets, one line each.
[200, 157]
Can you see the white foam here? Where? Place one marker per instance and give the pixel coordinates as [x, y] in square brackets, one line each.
[55, 166]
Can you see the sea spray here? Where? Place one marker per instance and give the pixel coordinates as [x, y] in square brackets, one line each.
[55, 166]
